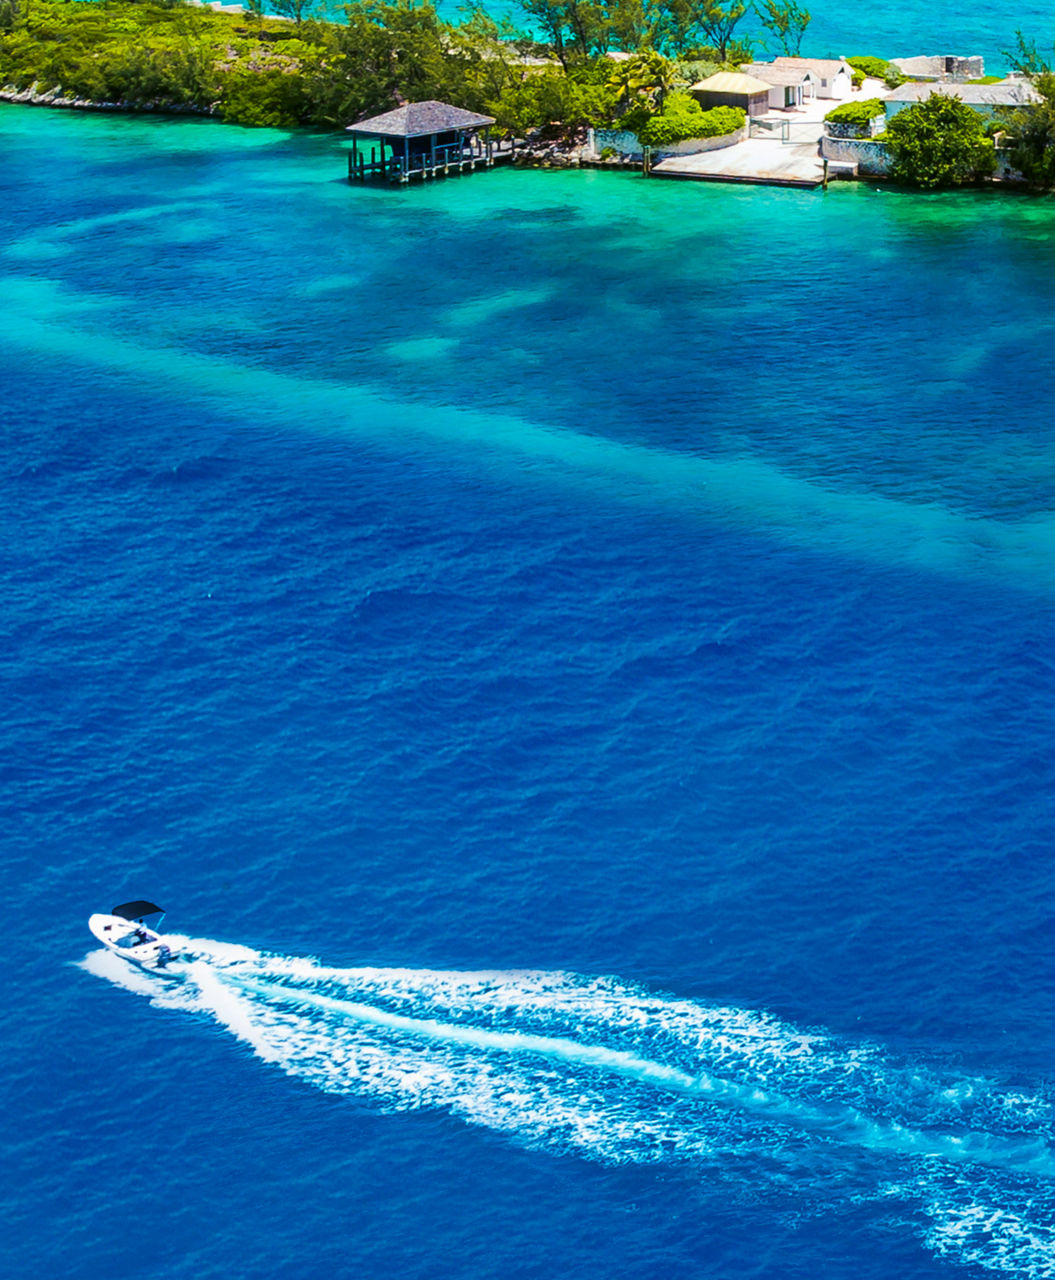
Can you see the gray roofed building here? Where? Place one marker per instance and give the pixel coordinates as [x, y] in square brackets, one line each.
[819, 66]
[984, 98]
[1005, 93]
[774, 74]
[419, 120]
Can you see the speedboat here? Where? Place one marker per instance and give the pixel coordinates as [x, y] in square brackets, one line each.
[130, 931]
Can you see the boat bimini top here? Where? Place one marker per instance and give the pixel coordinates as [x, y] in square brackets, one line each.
[130, 931]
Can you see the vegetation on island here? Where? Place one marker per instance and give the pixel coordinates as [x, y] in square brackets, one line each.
[251, 69]
[682, 117]
[859, 114]
[943, 142]
[1030, 129]
[939, 142]
[876, 69]
[1031, 142]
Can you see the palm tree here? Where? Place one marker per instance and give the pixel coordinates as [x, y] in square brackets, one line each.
[644, 78]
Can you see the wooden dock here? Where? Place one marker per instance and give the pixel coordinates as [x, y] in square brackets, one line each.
[387, 164]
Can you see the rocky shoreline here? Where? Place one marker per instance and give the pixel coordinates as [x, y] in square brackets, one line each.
[566, 152]
[34, 96]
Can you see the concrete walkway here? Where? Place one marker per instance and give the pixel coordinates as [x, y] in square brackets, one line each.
[760, 160]
[767, 160]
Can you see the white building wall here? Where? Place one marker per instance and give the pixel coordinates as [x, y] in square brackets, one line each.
[838, 87]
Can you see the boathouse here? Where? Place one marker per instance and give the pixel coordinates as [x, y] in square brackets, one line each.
[733, 89]
[422, 140]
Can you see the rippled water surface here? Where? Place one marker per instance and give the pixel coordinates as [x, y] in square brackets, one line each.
[574, 656]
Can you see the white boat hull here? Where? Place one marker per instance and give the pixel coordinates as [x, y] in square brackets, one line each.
[131, 941]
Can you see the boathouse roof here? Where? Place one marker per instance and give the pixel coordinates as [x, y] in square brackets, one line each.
[419, 119]
[731, 82]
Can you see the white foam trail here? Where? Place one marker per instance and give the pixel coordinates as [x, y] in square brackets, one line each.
[974, 1224]
[839, 1122]
[615, 1073]
[231, 1012]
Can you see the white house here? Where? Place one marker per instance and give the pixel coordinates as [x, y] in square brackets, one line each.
[789, 86]
[986, 99]
[834, 77]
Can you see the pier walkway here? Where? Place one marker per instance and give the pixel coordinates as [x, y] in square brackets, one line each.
[758, 160]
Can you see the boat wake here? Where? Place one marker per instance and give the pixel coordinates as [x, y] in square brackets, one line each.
[609, 1071]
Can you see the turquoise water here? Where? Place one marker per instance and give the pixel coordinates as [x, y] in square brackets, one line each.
[574, 656]
[846, 28]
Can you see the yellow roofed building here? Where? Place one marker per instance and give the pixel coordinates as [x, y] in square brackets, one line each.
[733, 89]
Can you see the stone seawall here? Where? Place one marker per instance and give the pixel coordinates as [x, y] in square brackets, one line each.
[871, 157]
[627, 144]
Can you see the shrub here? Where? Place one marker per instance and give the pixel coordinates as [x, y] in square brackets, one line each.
[858, 114]
[939, 142]
[878, 69]
[722, 120]
[683, 118]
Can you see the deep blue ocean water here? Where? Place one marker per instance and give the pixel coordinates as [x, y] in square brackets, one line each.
[574, 657]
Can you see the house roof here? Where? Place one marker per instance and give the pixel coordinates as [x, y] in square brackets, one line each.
[419, 119]
[819, 66]
[770, 73]
[1006, 93]
[731, 82]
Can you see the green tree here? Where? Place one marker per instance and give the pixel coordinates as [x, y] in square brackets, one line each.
[712, 23]
[299, 11]
[573, 27]
[645, 24]
[1031, 130]
[1026, 58]
[788, 22]
[9, 15]
[551, 101]
[939, 142]
[272, 99]
[382, 53]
